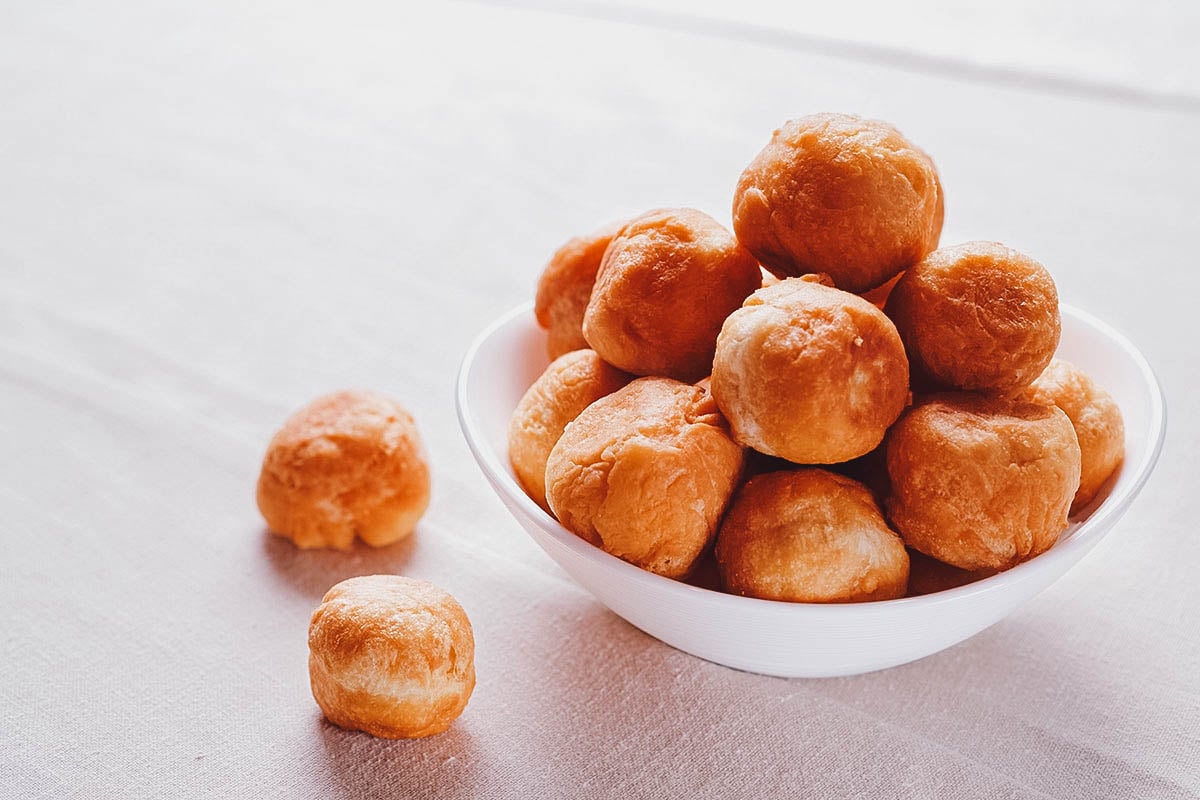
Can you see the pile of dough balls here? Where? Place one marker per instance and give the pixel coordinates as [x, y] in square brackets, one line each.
[389, 655]
[823, 402]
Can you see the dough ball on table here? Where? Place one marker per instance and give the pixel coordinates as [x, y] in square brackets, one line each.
[391, 656]
[810, 536]
[978, 316]
[981, 483]
[666, 284]
[568, 386]
[1097, 420]
[565, 286]
[839, 194]
[645, 474]
[809, 373]
[348, 463]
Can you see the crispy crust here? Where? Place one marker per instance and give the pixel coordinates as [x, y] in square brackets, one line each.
[978, 316]
[1097, 420]
[568, 386]
[809, 536]
[809, 373]
[839, 194]
[666, 284]
[391, 656]
[645, 473]
[564, 287]
[981, 483]
[348, 463]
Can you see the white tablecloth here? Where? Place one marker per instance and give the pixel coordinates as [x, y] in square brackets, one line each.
[210, 213]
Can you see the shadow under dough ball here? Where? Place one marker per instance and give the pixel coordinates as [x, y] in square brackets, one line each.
[981, 483]
[842, 195]
[391, 656]
[645, 474]
[977, 316]
[809, 536]
[348, 463]
[666, 284]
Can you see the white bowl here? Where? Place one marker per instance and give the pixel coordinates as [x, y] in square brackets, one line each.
[800, 639]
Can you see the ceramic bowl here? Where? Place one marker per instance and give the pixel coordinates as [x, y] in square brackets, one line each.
[801, 639]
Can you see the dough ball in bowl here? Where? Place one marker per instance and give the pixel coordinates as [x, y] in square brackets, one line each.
[568, 386]
[977, 316]
[565, 286]
[391, 656]
[1097, 420]
[809, 536]
[348, 463]
[645, 474]
[981, 483]
[809, 373]
[666, 284]
[839, 194]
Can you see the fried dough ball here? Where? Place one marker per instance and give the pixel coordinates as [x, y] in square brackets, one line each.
[348, 463]
[645, 474]
[666, 284]
[879, 295]
[1097, 420]
[839, 194]
[565, 286]
[809, 536]
[981, 482]
[391, 656]
[978, 316]
[568, 386]
[809, 373]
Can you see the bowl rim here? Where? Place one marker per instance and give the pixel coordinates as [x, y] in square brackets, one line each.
[1060, 557]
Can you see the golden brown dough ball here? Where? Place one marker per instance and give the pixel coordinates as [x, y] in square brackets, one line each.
[666, 284]
[348, 463]
[809, 373]
[978, 316]
[981, 482]
[568, 386]
[565, 286]
[645, 474]
[839, 194]
[391, 656]
[1097, 420]
[809, 536]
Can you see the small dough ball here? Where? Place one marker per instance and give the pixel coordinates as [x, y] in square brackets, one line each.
[1097, 420]
[666, 284]
[568, 386]
[978, 316]
[348, 463]
[839, 194]
[645, 474]
[981, 482]
[810, 536]
[391, 656]
[879, 295]
[565, 286]
[809, 373]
